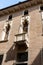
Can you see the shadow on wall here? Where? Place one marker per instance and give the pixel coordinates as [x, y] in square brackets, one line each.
[42, 56]
[10, 55]
[39, 59]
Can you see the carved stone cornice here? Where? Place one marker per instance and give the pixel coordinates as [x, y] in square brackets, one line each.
[20, 6]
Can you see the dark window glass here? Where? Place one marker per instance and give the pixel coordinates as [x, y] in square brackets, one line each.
[10, 17]
[22, 56]
[41, 7]
[26, 12]
[1, 58]
[22, 47]
[22, 64]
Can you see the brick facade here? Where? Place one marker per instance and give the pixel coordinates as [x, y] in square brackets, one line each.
[35, 38]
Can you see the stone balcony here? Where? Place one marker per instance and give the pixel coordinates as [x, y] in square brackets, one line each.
[21, 39]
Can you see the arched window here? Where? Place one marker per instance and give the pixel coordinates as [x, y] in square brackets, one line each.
[26, 12]
[41, 8]
[10, 17]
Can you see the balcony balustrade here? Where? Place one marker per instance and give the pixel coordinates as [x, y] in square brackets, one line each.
[20, 38]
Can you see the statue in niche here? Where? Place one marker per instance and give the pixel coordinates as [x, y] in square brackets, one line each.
[5, 32]
[7, 28]
[25, 26]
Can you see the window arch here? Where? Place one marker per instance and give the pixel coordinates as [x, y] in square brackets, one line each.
[26, 12]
